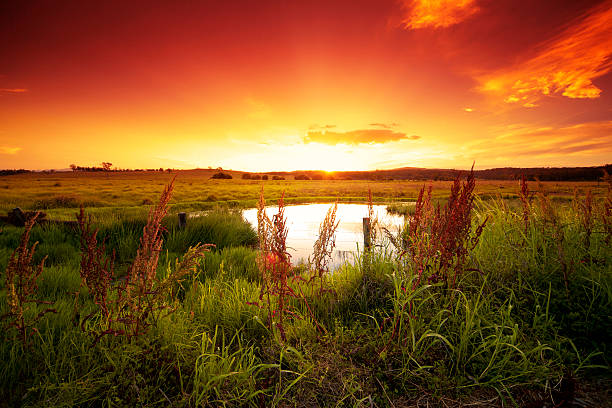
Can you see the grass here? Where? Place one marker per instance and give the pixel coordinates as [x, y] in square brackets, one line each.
[129, 193]
[527, 320]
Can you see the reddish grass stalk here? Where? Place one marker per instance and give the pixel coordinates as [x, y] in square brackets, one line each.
[586, 218]
[138, 301]
[324, 246]
[97, 269]
[21, 285]
[525, 196]
[137, 292]
[439, 239]
[558, 234]
[275, 264]
[606, 213]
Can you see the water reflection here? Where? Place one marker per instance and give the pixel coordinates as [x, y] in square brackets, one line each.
[303, 227]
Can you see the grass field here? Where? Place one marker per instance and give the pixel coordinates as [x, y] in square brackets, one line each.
[195, 190]
[514, 314]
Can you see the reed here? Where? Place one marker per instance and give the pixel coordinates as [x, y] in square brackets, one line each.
[324, 246]
[21, 283]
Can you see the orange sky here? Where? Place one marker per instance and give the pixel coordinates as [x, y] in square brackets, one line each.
[286, 85]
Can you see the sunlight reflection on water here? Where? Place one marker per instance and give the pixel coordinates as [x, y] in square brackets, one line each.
[303, 227]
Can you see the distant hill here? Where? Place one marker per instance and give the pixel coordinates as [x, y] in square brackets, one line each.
[504, 173]
[404, 173]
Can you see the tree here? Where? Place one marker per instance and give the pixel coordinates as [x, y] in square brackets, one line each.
[73, 167]
[106, 166]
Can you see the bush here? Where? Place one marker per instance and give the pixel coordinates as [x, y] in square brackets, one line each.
[301, 177]
[221, 175]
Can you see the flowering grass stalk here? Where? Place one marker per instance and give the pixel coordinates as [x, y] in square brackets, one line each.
[21, 284]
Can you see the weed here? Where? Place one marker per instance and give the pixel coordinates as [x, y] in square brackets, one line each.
[552, 219]
[97, 270]
[324, 246]
[138, 301]
[21, 284]
[525, 196]
[586, 218]
[438, 240]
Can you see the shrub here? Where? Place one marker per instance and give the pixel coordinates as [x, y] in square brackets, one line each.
[221, 175]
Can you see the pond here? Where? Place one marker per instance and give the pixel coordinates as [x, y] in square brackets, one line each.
[303, 223]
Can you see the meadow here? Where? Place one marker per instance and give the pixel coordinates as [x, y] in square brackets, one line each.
[502, 297]
[60, 193]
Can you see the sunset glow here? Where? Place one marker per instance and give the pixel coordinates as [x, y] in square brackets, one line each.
[290, 85]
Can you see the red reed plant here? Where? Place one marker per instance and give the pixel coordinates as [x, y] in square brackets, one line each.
[606, 213]
[552, 219]
[21, 286]
[525, 196]
[373, 219]
[438, 240]
[275, 263]
[586, 218]
[324, 246]
[97, 270]
[137, 302]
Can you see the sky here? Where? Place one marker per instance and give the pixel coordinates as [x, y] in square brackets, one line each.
[303, 85]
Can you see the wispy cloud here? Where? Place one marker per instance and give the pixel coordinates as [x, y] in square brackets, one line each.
[437, 13]
[566, 64]
[13, 91]
[583, 139]
[9, 150]
[384, 125]
[360, 136]
[321, 127]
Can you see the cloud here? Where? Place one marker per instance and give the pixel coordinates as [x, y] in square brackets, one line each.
[585, 139]
[321, 127]
[13, 91]
[360, 136]
[9, 150]
[567, 64]
[384, 125]
[437, 13]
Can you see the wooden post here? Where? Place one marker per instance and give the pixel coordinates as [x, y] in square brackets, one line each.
[182, 218]
[366, 233]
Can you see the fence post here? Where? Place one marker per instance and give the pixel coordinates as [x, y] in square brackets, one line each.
[366, 233]
[182, 218]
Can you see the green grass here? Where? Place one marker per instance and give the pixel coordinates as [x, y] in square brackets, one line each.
[508, 333]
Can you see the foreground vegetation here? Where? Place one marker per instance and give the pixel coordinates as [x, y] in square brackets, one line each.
[479, 302]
